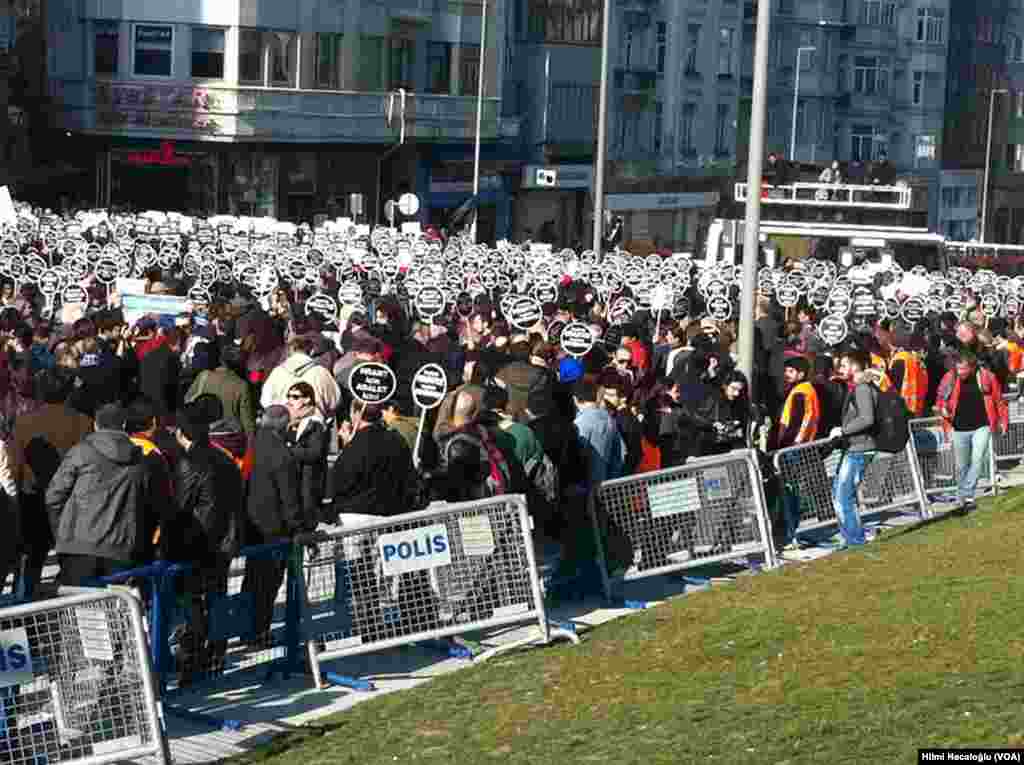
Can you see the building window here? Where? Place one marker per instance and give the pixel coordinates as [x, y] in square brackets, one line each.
[282, 58]
[686, 134]
[726, 38]
[1015, 157]
[692, 47]
[659, 126]
[469, 69]
[1014, 48]
[785, 7]
[917, 88]
[801, 121]
[878, 13]
[722, 130]
[402, 51]
[972, 196]
[439, 67]
[208, 53]
[662, 45]
[924, 149]
[807, 57]
[984, 29]
[250, 57]
[329, 61]
[565, 21]
[154, 45]
[106, 39]
[1018, 103]
[864, 143]
[869, 77]
[931, 25]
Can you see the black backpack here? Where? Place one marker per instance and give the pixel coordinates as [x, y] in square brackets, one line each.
[892, 422]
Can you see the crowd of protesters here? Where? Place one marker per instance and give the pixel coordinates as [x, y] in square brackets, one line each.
[185, 437]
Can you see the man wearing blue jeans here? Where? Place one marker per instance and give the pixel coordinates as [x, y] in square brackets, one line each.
[970, 401]
[857, 431]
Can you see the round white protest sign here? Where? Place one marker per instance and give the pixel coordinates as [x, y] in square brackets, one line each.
[50, 282]
[1011, 307]
[545, 293]
[788, 296]
[576, 339]
[832, 329]
[74, 294]
[429, 386]
[720, 308]
[321, 304]
[106, 270]
[524, 312]
[199, 296]
[991, 305]
[372, 383]
[839, 302]
[429, 302]
[913, 310]
[350, 293]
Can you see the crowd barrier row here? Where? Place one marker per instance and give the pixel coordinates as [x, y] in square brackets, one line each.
[370, 584]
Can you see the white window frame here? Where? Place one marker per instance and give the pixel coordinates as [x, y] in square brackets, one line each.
[726, 51]
[876, 74]
[192, 49]
[134, 40]
[688, 129]
[931, 25]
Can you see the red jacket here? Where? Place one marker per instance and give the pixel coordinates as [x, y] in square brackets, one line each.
[949, 396]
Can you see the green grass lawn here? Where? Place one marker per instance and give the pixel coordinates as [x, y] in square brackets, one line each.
[914, 641]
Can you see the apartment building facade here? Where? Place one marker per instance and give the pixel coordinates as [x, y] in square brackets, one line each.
[284, 109]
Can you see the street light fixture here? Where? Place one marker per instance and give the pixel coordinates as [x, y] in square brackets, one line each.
[796, 98]
[988, 159]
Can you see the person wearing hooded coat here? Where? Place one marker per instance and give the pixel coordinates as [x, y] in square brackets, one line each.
[97, 502]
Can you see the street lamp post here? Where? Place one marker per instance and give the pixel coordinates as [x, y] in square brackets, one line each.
[796, 98]
[988, 159]
[479, 115]
[601, 152]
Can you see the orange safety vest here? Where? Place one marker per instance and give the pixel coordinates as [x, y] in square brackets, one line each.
[915, 382]
[1014, 356]
[238, 462]
[812, 412]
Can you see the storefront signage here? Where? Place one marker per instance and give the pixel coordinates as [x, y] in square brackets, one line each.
[564, 176]
[162, 157]
[161, 106]
[681, 201]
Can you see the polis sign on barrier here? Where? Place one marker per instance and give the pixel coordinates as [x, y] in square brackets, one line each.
[372, 383]
[404, 552]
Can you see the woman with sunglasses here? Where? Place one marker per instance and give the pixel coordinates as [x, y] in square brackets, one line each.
[308, 438]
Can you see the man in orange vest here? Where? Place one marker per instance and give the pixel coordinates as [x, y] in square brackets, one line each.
[908, 373]
[142, 426]
[801, 414]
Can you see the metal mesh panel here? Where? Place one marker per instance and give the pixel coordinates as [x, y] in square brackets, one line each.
[86, 693]
[808, 471]
[457, 568]
[708, 510]
[1010, 446]
[221, 620]
[936, 458]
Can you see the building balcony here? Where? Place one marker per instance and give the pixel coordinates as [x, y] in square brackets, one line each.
[832, 195]
[185, 111]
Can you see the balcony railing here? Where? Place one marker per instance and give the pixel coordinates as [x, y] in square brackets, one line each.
[832, 195]
[146, 109]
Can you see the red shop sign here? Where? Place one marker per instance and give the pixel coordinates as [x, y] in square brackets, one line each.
[164, 157]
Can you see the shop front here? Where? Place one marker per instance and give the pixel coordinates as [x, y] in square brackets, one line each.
[672, 221]
[207, 179]
[554, 199]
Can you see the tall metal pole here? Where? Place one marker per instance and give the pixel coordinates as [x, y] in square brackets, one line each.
[755, 161]
[796, 100]
[601, 154]
[479, 115]
[988, 160]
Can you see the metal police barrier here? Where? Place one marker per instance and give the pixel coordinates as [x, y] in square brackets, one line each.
[448, 570]
[207, 622]
[710, 509]
[936, 459]
[1010, 445]
[76, 684]
[808, 473]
